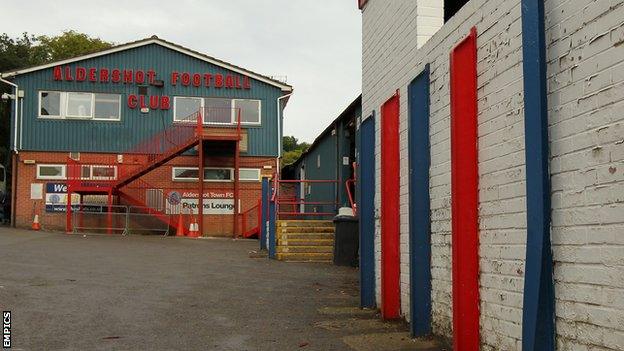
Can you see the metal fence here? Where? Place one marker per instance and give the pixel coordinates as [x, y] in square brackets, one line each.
[122, 220]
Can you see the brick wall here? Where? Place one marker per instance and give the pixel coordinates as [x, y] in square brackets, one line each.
[586, 88]
[215, 225]
[586, 95]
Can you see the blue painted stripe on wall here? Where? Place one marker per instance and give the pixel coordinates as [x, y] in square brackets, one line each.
[538, 325]
[366, 188]
[419, 214]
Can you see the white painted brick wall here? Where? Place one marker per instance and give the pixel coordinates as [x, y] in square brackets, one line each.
[391, 59]
[585, 52]
[586, 99]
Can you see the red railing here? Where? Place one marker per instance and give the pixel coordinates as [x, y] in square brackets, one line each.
[295, 202]
[251, 221]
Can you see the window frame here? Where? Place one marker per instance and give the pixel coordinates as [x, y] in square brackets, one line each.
[68, 116]
[202, 106]
[175, 98]
[61, 98]
[247, 123]
[107, 119]
[64, 101]
[219, 180]
[63, 175]
[259, 178]
[177, 179]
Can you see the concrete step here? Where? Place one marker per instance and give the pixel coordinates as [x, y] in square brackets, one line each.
[306, 236]
[307, 249]
[305, 230]
[305, 257]
[305, 223]
[305, 242]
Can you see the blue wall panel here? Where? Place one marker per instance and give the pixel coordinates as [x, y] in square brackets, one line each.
[366, 189]
[103, 136]
[419, 209]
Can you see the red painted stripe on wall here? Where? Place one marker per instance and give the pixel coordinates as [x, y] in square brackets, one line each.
[464, 194]
[390, 288]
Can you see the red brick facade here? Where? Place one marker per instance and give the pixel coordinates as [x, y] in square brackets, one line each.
[159, 178]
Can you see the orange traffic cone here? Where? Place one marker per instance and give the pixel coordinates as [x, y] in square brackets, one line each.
[193, 232]
[36, 225]
[180, 230]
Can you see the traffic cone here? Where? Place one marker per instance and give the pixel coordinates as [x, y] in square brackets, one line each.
[36, 225]
[193, 232]
[180, 230]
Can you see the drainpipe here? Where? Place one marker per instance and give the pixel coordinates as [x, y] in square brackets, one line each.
[279, 125]
[14, 158]
[15, 110]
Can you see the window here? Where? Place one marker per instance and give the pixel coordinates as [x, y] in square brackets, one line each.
[185, 173]
[76, 105]
[217, 110]
[50, 171]
[249, 174]
[217, 174]
[107, 106]
[50, 103]
[451, 7]
[185, 107]
[249, 111]
[98, 172]
[79, 105]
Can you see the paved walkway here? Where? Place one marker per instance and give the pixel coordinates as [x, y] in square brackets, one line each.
[152, 293]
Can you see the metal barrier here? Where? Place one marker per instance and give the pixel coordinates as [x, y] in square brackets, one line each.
[95, 218]
[251, 220]
[146, 219]
[124, 220]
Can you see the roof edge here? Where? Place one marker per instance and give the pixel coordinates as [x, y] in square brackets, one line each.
[164, 43]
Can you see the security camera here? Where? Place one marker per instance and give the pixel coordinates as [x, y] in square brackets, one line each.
[7, 96]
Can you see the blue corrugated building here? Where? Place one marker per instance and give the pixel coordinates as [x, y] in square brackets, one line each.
[129, 115]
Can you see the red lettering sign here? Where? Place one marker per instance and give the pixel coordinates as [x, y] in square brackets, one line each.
[116, 76]
[103, 75]
[139, 77]
[186, 79]
[92, 74]
[229, 81]
[132, 101]
[81, 74]
[174, 77]
[164, 103]
[127, 76]
[58, 73]
[218, 81]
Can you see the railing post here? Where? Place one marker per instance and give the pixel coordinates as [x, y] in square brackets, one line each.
[264, 221]
[272, 230]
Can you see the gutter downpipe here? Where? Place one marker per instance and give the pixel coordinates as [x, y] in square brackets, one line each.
[15, 110]
[279, 126]
[15, 155]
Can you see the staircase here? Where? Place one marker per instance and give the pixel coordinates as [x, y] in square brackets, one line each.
[305, 240]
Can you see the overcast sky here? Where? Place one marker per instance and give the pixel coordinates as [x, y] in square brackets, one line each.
[316, 44]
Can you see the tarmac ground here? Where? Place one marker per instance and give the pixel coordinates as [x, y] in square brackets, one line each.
[105, 292]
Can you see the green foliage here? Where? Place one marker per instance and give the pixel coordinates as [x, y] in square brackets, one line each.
[28, 50]
[70, 44]
[292, 149]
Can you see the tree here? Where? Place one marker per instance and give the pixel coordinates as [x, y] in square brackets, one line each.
[292, 149]
[70, 44]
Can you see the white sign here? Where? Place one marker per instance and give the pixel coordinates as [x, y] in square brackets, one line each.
[36, 191]
[211, 206]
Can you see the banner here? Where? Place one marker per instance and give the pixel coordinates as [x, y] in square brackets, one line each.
[218, 203]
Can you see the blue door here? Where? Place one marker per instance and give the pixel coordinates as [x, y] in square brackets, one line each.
[419, 220]
[366, 189]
